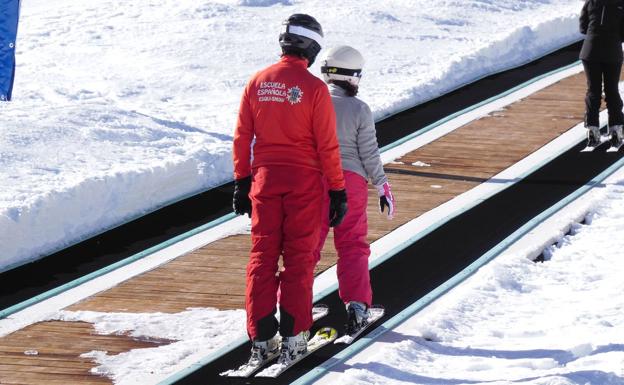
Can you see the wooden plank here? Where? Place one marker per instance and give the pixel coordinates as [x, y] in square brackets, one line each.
[58, 346]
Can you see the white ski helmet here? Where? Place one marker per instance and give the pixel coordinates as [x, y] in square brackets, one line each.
[343, 63]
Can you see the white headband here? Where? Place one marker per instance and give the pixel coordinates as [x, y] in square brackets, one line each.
[302, 31]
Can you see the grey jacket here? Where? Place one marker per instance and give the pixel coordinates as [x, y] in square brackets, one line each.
[355, 127]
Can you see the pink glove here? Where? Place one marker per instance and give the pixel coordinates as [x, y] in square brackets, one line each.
[386, 199]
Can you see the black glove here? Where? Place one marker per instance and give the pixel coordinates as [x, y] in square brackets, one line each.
[337, 206]
[241, 201]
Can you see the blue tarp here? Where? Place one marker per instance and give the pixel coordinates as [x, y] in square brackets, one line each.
[9, 14]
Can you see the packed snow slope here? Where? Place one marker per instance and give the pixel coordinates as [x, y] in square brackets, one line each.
[122, 107]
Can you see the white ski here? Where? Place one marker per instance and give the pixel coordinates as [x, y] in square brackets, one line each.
[603, 139]
[374, 314]
[247, 369]
[322, 337]
[614, 148]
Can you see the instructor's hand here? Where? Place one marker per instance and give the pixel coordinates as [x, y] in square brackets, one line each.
[241, 201]
[337, 206]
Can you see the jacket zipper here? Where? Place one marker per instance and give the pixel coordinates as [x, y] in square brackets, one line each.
[602, 17]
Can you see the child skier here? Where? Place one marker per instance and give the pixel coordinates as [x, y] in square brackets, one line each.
[359, 152]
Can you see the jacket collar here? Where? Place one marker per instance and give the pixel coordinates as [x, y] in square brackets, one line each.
[336, 90]
[293, 59]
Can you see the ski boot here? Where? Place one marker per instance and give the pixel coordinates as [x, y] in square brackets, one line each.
[262, 351]
[593, 136]
[294, 347]
[616, 136]
[357, 317]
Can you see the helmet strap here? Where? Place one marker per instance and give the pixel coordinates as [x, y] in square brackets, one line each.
[341, 71]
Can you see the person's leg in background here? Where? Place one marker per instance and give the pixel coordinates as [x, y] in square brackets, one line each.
[612, 92]
[593, 97]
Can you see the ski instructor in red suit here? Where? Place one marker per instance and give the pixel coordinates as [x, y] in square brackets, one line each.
[287, 124]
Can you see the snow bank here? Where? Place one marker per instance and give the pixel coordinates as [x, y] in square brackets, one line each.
[518, 47]
[84, 180]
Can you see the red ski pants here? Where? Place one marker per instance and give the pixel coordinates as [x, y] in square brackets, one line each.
[286, 219]
[351, 242]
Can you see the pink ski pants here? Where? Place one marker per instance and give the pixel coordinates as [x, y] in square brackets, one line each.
[350, 241]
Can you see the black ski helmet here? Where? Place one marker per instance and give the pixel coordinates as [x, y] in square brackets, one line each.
[301, 35]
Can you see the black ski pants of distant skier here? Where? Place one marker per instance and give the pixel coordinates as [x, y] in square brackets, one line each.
[598, 73]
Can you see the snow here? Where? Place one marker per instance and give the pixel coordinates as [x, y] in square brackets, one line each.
[122, 107]
[211, 329]
[558, 322]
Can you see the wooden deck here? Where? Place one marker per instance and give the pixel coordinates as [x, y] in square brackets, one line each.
[214, 276]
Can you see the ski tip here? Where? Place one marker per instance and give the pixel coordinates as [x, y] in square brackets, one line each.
[273, 371]
[244, 371]
[232, 373]
[346, 339]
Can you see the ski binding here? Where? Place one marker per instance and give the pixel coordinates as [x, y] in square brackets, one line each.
[247, 369]
[322, 337]
[375, 312]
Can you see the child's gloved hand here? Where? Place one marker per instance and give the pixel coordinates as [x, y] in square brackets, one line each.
[386, 199]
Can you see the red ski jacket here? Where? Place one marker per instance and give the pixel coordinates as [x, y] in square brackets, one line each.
[289, 113]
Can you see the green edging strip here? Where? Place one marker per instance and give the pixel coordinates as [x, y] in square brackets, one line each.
[235, 344]
[70, 285]
[417, 306]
